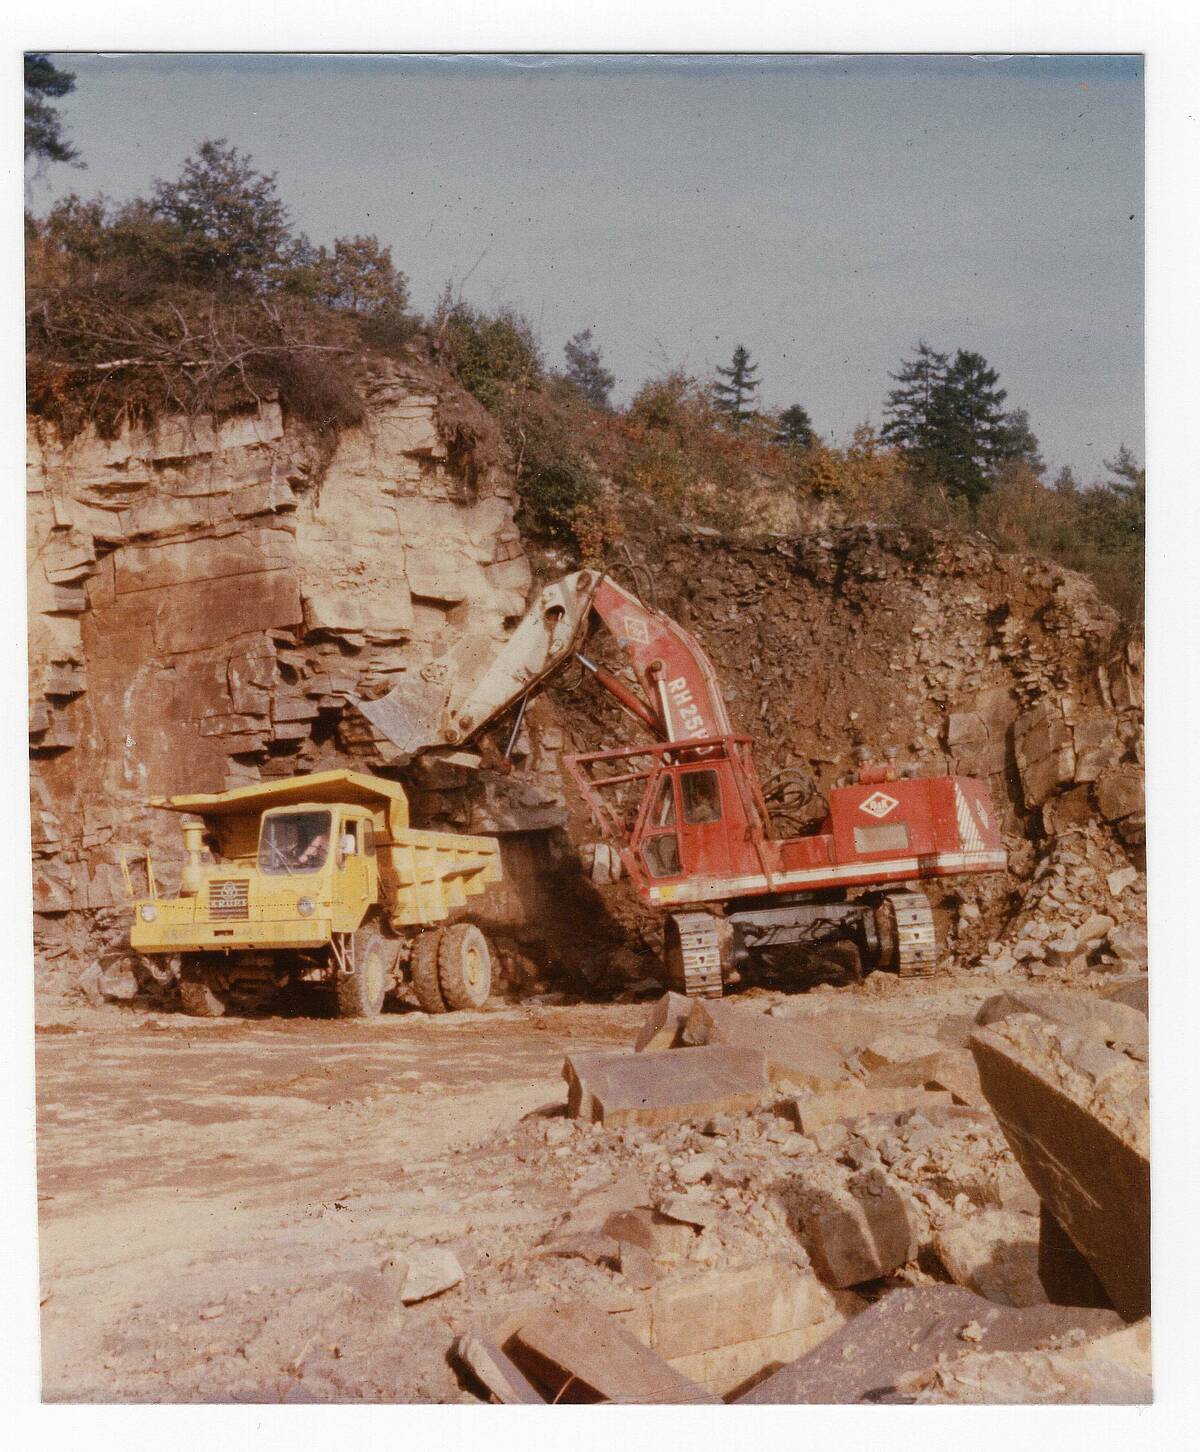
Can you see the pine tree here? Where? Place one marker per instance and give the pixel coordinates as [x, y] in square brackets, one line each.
[733, 397]
[911, 410]
[1065, 481]
[1018, 444]
[585, 370]
[795, 430]
[44, 138]
[969, 429]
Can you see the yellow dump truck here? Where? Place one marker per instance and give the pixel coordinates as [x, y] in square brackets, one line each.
[320, 879]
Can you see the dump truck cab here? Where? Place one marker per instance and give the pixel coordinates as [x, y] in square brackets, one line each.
[318, 878]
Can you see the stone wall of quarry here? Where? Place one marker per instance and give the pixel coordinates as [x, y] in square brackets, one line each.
[205, 597]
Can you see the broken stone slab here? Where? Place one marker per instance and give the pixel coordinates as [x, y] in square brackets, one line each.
[660, 1088]
[1129, 943]
[664, 1023]
[1076, 1115]
[855, 1225]
[794, 1054]
[898, 1048]
[691, 1315]
[1120, 793]
[501, 1375]
[637, 1265]
[1122, 878]
[857, 1101]
[1027, 1378]
[994, 1254]
[658, 1234]
[1107, 1021]
[690, 1209]
[905, 1332]
[1133, 990]
[592, 1210]
[430, 1272]
[583, 1355]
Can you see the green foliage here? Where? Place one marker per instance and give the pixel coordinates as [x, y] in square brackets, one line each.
[492, 355]
[229, 218]
[734, 395]
[45, 140]
[947, 418]
[200, 297]
[794, 429]
[586, 372]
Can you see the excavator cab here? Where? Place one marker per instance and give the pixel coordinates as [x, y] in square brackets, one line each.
[697, 821]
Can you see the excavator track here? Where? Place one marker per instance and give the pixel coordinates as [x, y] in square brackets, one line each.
[693, 955]
[916, 954]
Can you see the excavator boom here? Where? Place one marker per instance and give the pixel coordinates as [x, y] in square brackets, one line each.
[457, 696]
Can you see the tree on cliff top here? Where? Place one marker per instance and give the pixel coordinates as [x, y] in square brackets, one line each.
[794, 429]
[44, 136]
[585, 370]
[734, 396]
[230, 220]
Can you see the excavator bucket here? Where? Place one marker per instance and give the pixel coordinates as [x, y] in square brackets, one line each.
[460, 693]
[411, 716]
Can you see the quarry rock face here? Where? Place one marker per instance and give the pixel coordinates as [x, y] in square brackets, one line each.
[206, 597]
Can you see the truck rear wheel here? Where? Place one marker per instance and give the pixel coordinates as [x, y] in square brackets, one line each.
[464, 966]
[423, 968]
[360, 994]
[196, 992]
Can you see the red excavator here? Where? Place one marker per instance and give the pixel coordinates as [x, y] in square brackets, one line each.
[694, 825]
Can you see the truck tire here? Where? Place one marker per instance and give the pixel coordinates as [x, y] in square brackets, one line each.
[423, 969]
[360, 994]
[196, 993]
[464, 967]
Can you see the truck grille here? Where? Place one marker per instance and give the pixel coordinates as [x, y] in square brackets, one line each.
[229, 898]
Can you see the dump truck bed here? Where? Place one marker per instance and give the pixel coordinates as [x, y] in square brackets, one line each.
[426, 875]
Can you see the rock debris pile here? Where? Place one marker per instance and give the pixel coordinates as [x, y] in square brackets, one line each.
[747, 1242]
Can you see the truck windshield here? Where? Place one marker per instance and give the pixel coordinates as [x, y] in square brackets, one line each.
[294, 842]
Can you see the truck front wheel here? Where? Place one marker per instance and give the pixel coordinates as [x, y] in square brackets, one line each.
[196, 992]
[360, 994]
[464, 966]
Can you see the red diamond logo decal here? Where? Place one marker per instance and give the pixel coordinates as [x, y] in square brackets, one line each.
[878, 804]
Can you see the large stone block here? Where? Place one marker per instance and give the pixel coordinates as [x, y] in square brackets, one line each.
[905, 1332]
[1121, 792]
[794, 1054]
[584, 1355]
[995, 1255]
[1045, 752]
[650, 1089]
[854, 1224]
[694, 1314]
[1076, 1115]
[664, 1024]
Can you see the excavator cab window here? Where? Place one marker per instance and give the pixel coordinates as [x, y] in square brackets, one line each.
[701, 797]
[661, 851]
[664, 808]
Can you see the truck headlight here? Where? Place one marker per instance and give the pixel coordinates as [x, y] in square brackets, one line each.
[147, 912]
[305, 907]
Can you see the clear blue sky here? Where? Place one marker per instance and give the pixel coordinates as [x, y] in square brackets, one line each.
[825, 211]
